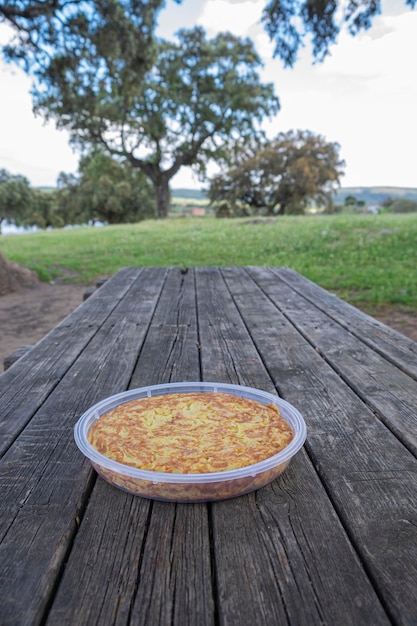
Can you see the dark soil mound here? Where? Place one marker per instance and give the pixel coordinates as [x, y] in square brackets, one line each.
[13, 277]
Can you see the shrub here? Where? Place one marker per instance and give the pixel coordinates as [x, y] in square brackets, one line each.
[403, 205]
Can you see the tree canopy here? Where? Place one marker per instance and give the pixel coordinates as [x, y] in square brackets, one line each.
[280, 176]
[290, 22]
[104, 190]
[16, 198]
[42, 23]
[198, 98]
[47, 27]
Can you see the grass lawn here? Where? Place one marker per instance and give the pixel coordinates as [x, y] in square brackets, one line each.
[365, 259]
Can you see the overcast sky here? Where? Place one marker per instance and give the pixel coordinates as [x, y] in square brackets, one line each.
[364, 97]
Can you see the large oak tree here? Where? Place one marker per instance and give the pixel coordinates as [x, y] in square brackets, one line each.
[279, 176]
[198, 98]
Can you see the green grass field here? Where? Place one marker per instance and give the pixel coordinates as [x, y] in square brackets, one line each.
[365, 259]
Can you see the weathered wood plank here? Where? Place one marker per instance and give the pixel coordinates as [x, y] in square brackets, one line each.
[100, 577]
[227, 352]
[388, 390]
[281, 556]
[168, 578]
[174, 585]
[393, 345]
[43, 464]
[369, 475]
[26, 385]
[170, 353]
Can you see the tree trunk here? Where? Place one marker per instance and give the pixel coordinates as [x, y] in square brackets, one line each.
[163, 196]
[160, 181]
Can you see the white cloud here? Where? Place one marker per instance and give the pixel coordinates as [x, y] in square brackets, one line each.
[235, 17]
[28, 146]
[363, 96]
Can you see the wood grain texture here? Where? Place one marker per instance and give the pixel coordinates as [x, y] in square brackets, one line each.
[395, 346]
[43, 472]
[390, 391]
[331, 541]
[263, 568]
[371, 485]
[168, 578]
[170, 352]
[28, 383]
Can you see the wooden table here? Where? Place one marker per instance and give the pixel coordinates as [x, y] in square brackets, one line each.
[332, 541]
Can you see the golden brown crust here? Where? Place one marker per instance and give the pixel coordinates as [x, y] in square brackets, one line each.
[191, 433]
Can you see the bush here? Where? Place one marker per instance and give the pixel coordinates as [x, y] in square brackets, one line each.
[229, 209]
[403, 205]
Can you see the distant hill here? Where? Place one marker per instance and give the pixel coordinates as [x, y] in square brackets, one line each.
[369, 195]
[375, 195]
[194, 194]
[47, 189]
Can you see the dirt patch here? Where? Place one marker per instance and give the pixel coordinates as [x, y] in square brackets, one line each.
[30, 313]
[405, 321]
